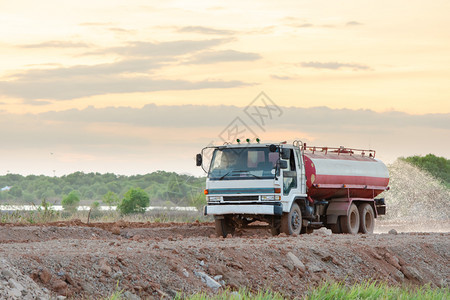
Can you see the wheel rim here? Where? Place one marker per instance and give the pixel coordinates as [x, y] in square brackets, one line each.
[295, 221]
[368, 221]
[353, 220]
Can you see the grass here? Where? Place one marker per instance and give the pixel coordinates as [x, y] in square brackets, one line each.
[376, 290]
[44, 215]
[242, 294]
[333, 291]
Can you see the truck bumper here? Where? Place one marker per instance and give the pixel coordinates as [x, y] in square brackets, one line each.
[269, 209]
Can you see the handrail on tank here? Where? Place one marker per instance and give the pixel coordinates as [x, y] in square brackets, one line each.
[339, 151]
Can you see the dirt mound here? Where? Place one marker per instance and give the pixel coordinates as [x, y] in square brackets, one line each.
[148, 260]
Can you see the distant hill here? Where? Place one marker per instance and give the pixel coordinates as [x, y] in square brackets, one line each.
[437, 166]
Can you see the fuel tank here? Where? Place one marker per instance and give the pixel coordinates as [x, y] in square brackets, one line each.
[344, 174]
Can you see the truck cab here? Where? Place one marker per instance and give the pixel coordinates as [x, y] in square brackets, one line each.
[253, 182]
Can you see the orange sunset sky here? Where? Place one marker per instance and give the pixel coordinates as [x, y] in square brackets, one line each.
[131, 87]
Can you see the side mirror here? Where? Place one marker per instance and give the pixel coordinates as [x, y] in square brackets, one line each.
[283, 164]
[285, 153]
[273, 148]
[198, 160]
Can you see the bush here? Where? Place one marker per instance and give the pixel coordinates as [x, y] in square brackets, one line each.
[134, 201]
[71, 201]
[111, 199]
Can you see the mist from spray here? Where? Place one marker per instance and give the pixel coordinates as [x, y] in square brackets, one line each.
[416, 201]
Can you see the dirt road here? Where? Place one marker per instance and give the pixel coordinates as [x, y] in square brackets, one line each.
[153, 260]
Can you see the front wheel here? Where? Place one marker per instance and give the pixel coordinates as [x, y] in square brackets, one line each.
[224, 227]
[291, 223]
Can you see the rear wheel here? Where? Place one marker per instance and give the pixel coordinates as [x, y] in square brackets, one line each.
[350, 222]
[292, 222]
[224, 226]
[366, 218]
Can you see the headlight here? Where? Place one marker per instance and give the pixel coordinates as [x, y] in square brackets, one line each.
[214, 198]
[270, 198]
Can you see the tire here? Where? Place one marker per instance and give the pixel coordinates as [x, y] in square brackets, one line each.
[291, 223]
[224, 227]
[366, 218]
[350, 222]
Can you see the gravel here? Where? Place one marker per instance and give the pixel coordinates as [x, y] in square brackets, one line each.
[145, 261]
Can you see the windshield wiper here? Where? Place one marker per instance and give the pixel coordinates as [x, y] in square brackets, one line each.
[239, 171]
[222, 177]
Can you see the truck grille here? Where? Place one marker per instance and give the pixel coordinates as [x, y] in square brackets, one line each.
[240, 198]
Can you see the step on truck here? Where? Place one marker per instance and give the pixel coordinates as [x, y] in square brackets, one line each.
[294, 188]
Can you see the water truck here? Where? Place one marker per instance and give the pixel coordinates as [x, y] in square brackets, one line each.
[294, 188]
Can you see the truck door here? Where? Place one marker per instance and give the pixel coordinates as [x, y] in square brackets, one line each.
[290, 177]
[300, 171]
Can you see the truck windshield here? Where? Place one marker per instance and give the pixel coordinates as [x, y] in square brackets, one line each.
[243, 163]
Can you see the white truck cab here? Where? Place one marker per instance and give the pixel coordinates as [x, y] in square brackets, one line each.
[254, 182]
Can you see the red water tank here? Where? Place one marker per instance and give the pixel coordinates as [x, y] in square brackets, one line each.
[344, 173]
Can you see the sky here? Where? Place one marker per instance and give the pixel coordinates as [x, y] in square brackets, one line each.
[132, 87]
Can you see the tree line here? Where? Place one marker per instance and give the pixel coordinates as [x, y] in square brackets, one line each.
[162, 188]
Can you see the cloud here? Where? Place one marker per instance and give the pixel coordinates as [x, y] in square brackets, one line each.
[305, 25]
[315, 119]
[205, 30]
[101, 24]
[107, 69]
[211, 57]
[353, 23]
[67, 88]
[128, 75]
[140, 140]
[120, 30]
[281, 77]
[57, 44]
[167, 49]
[333, 65]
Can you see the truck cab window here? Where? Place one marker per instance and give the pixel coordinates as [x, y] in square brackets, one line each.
[290, 176]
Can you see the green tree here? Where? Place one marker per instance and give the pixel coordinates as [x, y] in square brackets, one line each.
[71, 201]
[16, 191]
[134, 201]
[111, 199]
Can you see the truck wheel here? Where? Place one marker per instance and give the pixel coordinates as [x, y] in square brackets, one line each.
[292, 222]
[224, 227]
[350, 222]
[366, 218]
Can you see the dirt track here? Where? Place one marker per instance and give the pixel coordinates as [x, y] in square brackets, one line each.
[153, 260]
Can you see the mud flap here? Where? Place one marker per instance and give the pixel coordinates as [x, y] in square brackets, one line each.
[336, 209]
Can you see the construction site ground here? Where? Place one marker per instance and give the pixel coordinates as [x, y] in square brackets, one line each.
[152, 260]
